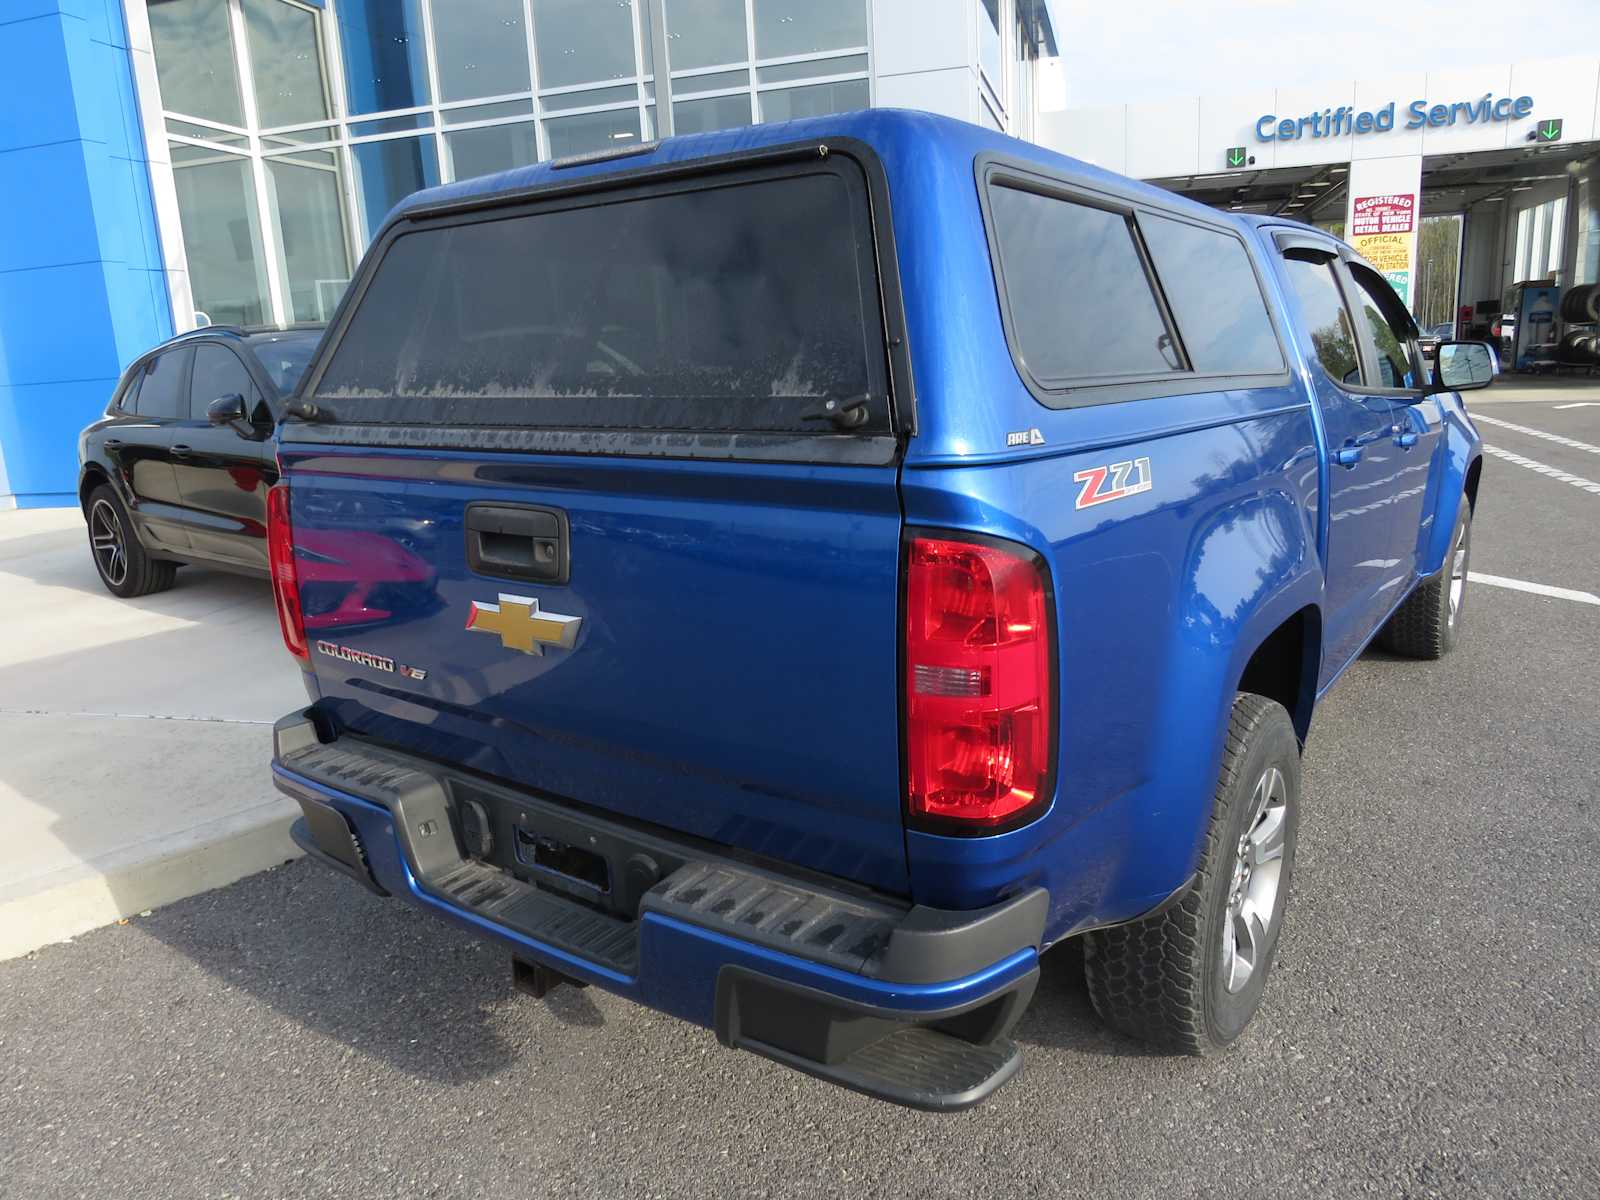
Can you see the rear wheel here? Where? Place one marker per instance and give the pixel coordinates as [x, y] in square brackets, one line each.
[1428, 623]
[124, 566]
[1189, 979]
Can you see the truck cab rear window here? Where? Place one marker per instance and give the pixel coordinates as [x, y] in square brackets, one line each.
[739, 307]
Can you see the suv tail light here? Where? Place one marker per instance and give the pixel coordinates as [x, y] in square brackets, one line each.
[285, 574]
[980, 710]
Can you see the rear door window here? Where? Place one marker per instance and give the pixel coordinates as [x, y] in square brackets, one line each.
[1215, 297]
[164, 392]
[1323, 310]
[744, 306]
[1080, 300]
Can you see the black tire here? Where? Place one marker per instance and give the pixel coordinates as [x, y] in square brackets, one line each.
[1165, 979]
[120, 559]
[1428, 624]
[1581, 304]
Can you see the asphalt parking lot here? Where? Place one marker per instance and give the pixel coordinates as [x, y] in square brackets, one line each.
[1429, 1029]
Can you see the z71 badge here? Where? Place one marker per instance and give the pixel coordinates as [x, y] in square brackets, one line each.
[1116, 482]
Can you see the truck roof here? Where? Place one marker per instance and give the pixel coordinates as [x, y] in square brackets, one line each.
[887, 130]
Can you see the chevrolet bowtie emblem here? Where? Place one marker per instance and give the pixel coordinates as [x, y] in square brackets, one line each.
[522, 626]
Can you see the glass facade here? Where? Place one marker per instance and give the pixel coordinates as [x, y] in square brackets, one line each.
[295, 127]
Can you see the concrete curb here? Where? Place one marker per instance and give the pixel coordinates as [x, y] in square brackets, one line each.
[62, 905]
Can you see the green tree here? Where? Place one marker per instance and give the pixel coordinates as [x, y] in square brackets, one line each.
[1438, 266]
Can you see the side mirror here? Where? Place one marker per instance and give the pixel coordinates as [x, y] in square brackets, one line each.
[1463, 367]
[225, 410]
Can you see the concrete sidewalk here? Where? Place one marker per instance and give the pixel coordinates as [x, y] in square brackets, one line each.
[134, 736]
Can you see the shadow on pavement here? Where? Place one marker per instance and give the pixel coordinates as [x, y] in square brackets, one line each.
[1062, 1016]
[375, 976]
[59, 558]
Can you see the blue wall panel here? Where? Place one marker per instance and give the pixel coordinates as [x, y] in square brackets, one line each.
[82, 290]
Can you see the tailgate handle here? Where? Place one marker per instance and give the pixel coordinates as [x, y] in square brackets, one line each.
[518, 541]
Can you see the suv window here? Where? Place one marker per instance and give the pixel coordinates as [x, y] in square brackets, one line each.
[1385, 331]
[1079, 296]
[1323, 310]
[739, 307]
[218, 372]
[1215, 297]
[161, 394]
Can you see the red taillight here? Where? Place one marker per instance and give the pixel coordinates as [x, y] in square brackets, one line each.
[979, 708]
[285, 576]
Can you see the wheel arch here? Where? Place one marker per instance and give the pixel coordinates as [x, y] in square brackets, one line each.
[90, 477]
[1460, 468]
[1474, 473]
[1285, 664]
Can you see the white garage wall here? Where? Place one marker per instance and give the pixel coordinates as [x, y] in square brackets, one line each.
[1191, 136]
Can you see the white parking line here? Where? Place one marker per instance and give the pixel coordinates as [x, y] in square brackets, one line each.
[1538, 589]
[1581, 404]
[1538, 433]
[1587, 485]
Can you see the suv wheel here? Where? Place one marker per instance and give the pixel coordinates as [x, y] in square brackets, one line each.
[124, 566]
[1428, 623]
[1189, 979]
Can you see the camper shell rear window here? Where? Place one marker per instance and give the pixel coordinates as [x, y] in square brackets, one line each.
[740, 302]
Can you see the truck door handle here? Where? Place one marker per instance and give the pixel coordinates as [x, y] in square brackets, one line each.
[1347, 456]
[113, 443]
[1405, 440]
[518, 541]
[182, 451]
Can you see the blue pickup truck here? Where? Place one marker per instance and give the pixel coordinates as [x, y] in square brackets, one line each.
[809, 571]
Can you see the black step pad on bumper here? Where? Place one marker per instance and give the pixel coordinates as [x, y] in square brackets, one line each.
[943, 1062]
[490, 892]
[757, 908]
[921, 1068]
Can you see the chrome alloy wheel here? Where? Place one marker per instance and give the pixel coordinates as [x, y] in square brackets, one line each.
[106, 538]
[1458, 574]
[1253, 892]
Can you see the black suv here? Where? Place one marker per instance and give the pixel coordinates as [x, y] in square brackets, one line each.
[177, 471]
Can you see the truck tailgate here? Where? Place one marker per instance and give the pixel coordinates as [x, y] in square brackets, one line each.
[733, 669]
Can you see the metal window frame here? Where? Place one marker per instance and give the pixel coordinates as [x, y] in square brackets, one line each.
[653, 98]
[888, 342]
[1005, 171]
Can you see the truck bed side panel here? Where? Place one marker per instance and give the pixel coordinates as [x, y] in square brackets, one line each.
[1160, 600]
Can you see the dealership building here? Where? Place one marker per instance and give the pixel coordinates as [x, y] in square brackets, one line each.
[168, 163]
[171, 163]
[1505, 156]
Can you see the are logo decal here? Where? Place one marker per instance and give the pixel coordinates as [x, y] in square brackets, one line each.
[1118, 481]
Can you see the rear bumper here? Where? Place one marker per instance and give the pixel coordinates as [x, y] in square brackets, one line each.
[909, 1004]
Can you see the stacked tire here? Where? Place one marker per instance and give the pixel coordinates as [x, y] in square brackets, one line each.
[1581, 305]
[1579, 349]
